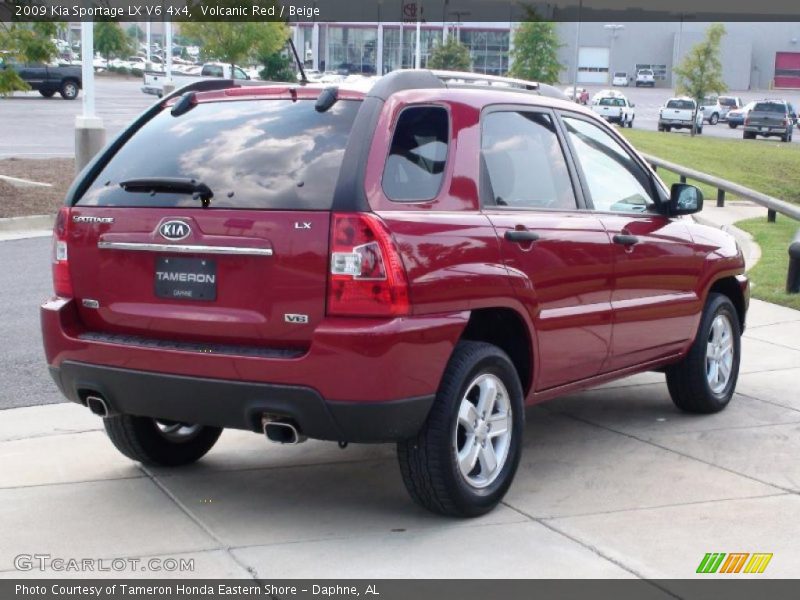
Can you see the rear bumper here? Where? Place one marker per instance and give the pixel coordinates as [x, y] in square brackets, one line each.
[759, 129]
[240, 405]
[363, 373]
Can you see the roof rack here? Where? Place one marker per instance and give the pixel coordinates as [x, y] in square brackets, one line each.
[459, 78]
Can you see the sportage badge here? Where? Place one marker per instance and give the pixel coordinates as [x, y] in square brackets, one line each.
[174, 230]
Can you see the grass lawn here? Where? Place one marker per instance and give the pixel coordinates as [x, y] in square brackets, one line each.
[770, 167]
[769, 275]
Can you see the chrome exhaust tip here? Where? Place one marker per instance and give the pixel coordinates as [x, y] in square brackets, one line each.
[97, 405]
[281, 431]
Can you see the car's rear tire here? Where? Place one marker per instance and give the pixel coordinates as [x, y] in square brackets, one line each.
[732, 125]
[160, 443]
[704, 381]
[748, 135]
[69, 89]
[463, 460]
[713, 119]
[630, 122]
[47, 93]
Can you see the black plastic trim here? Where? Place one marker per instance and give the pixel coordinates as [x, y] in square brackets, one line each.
[240, 404]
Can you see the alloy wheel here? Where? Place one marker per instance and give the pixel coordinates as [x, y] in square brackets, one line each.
[719, 354]
[482, 437]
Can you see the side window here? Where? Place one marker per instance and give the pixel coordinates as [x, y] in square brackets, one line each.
[212, 71]
[238, 73]
[524, 163]
[616, 182]
[415, 166]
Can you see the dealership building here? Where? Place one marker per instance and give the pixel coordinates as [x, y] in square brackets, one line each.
[754, 55]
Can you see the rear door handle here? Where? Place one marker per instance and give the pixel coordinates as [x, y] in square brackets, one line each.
[625, 240]
[521, 235]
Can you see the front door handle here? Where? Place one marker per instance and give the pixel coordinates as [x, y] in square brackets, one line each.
[521, 235]
[625, 240]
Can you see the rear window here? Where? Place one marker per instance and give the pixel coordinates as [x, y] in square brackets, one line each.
[255, 154]
[681, 104]
[620, 74]
[727, 101]
[612, 102]
[771, 107]
[415, 166]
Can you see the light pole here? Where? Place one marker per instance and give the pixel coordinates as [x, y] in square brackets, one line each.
[577, 50]
[90, 135]
[614, 29]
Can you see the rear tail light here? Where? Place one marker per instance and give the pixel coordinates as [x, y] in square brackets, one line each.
[747, 121]
[367, 277]
[62, 281]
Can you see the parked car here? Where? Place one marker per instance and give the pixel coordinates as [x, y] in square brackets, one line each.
[620, 79]
[46, 79]
[716, 108]
[645, 77]
[711, 110]
[770, 118]
[616, 110]
[606, 94]
[153, 81]
[679, 113]
[729, 103]
[737, 116]
[257, 269]
[578, 94]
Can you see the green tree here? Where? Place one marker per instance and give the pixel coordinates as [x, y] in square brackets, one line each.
[451, 56]
[232, 42]
[277, 67]
[535, 52]
[24, 43]
[700, 73]
[109, 39]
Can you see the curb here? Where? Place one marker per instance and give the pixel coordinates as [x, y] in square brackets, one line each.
[751, 250]
[26, 224]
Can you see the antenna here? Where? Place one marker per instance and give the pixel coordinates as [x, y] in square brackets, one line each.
[303, 78]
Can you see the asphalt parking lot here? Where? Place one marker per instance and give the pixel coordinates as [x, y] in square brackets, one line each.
[36, 127]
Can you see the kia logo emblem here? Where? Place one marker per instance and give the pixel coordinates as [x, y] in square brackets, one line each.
[174, 230]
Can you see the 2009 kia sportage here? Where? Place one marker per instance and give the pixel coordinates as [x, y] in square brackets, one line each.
[413, 263]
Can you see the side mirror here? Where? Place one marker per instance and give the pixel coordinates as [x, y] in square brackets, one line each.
[684, 199]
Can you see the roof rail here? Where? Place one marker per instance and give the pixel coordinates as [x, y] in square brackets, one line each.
[459, 77]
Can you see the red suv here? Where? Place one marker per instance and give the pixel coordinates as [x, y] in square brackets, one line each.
[415, 263]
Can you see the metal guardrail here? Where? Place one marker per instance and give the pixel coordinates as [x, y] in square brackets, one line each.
[773, 205]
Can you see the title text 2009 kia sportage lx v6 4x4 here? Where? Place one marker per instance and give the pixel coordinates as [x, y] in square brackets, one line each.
[415, 263]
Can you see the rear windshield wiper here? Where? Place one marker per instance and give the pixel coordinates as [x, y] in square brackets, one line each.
[178, 185]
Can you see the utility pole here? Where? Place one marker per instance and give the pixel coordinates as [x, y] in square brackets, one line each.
[90, 135]
[614, 29]
[577, 49]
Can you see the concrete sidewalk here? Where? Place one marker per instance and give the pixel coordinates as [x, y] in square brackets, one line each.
[614, 482]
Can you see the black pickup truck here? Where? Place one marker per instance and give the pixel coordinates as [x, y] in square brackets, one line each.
[47, 79]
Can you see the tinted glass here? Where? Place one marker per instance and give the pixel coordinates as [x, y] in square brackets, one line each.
[724, 101]
[272, 154]
[616, 182]
[415, 166]
[212, 71]
[612, 102]
[772, 107]
[524, 162]
[681, 104]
